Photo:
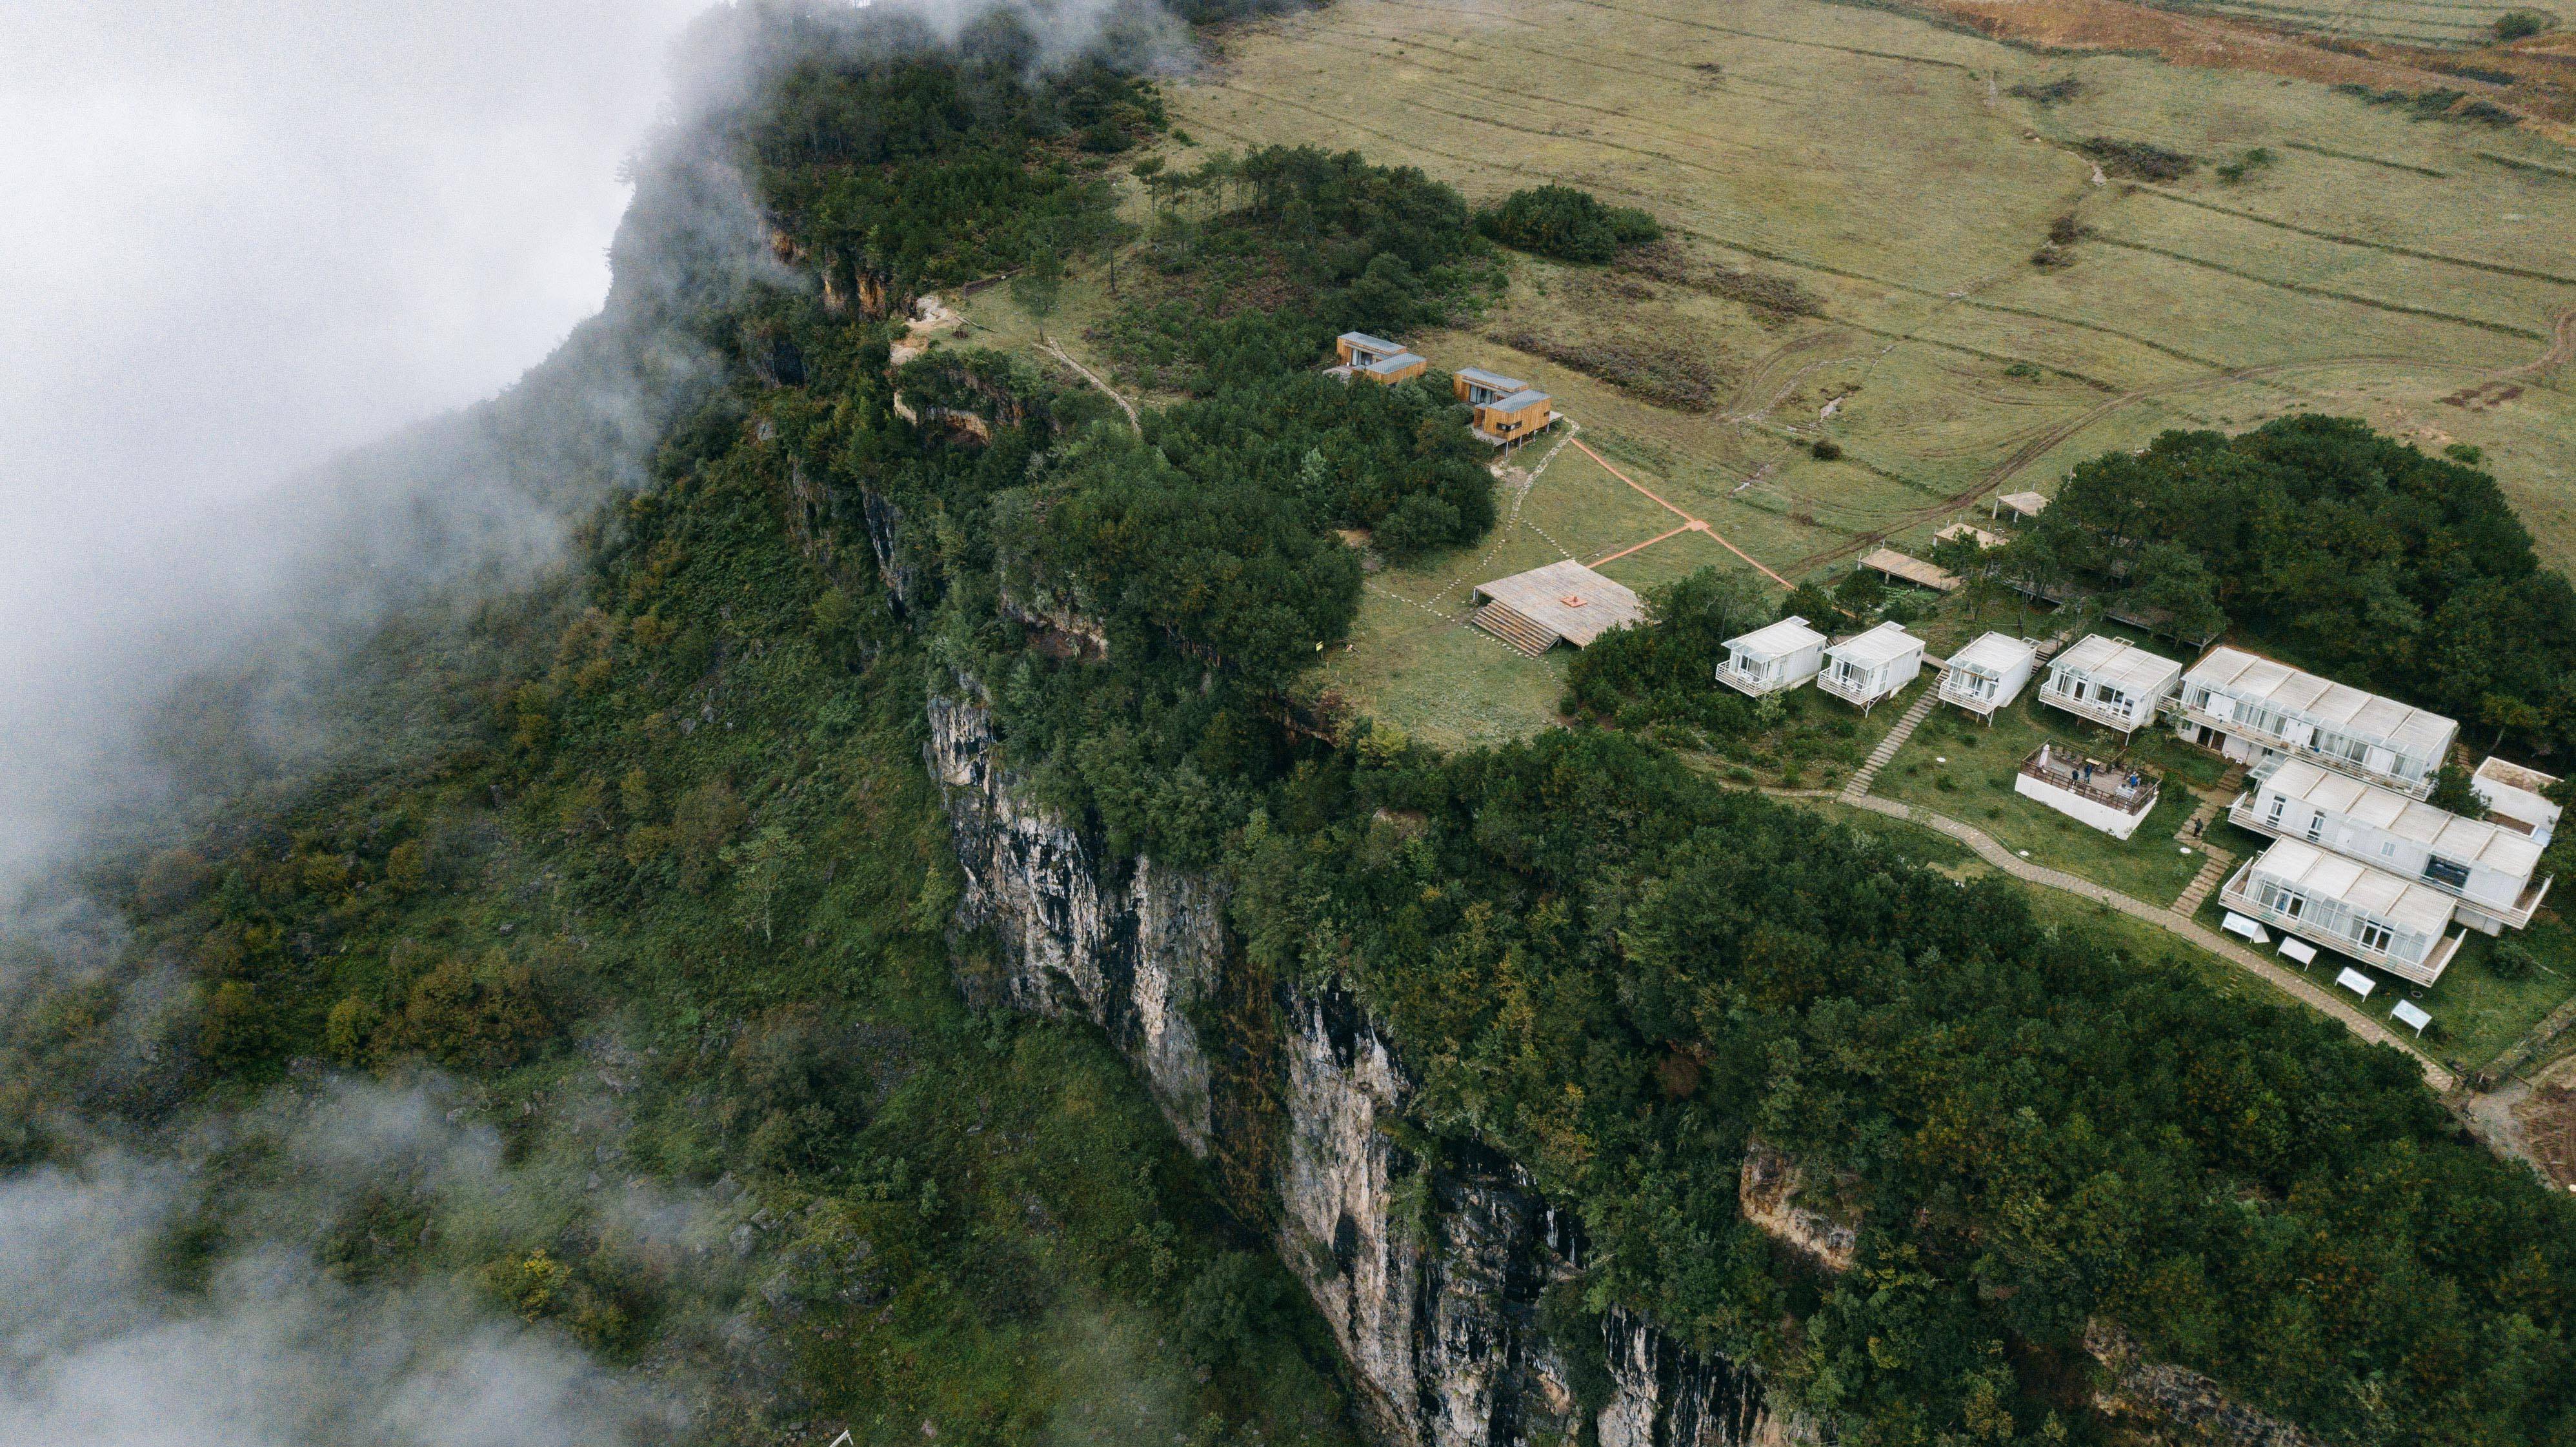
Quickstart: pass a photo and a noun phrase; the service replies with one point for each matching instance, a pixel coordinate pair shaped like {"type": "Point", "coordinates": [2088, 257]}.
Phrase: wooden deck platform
{"type": "Point", "coordinates": [1904, 569]}
{"type": "Point", "coordinates": [1563, 601]}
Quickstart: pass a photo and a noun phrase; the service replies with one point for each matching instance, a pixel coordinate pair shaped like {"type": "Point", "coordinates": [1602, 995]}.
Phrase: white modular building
{"type": "Point", "coordinates": [1768, 659]}
{"type": "Point", "coordinates": [1870, 666]}
{"type": "Point", "coordinates": [2345, 905]}
{"type": "Point", "coordinates": [1989, 673]}
{"type": "Point", "coordinates": [2517, 798]}
{"type": "Point", "coordinates": [2256, 710]}
{"type": "Point", "coordinates": [2111, 682]}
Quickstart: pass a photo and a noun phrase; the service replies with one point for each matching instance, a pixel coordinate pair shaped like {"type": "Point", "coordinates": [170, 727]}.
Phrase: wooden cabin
{"type": "Point", "coordinates": [1514, 417]}
{"type": "Point", "coordinates": [2488, 867]}
{"type": "Point", "coordinates": [1989, 673]}
{"type": "Point", "coordinates": [2255, 710]}
{"type": "Point", "coordinates": [2111, 682]}
{"type": "Point", "coordinates": [1377, 359]}
{"type": "Point", "coordinates": [1475, 386]}
{"type": "Point", "coordinates": [2347, 906]}
{"type": "Point", "coordinates": [1766, 660]}
{"type": "Point", "coordinates": [1871, 666]}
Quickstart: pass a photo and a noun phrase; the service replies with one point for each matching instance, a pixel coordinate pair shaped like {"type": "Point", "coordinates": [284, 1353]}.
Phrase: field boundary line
{"type": "Point", "coordinates": [1695, 525]}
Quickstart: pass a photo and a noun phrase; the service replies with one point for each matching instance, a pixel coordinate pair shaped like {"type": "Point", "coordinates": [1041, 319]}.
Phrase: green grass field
{"type": "Point", "coordinates": [1956, 766]}
{"type": "Point", "coordinates": [2377, 266]}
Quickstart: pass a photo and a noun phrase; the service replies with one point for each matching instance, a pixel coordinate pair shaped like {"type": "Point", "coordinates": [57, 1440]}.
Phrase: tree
{"type": "Point", "coordinates": [761, 866]}
{"type": "Point", "coordinates": [2452, 791]}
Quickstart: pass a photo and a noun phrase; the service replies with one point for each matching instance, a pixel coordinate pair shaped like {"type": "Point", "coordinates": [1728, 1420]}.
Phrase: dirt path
{"type": "Point", "coordinates": [1061, 355]}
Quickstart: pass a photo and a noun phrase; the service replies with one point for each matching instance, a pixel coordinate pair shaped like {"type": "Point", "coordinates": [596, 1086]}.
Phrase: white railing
{"type": "Point", "coordinates": [2238, 897]}
{"type": "Point", "coordinates": [2244, 815]}
{"type": "Point", "coordinates": [2094, 709]}
{"type": "Point", "coordinates": [1853, 690]}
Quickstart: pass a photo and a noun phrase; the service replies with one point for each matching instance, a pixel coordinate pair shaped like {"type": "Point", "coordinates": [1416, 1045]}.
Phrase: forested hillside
{"type": "Point", "coordinates": [666, 892]}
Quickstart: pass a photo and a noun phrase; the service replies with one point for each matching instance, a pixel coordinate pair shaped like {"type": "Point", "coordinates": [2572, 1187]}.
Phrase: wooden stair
{"type": "Point", "coordinates": [1515, 628]}
{"type": "Point", "coordinates": [1868, 772]}
{"type": "Point", "coordinates": [2212, 870]}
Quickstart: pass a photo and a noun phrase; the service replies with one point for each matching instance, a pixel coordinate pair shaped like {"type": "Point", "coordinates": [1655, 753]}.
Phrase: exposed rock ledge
{"type": "Point", "coordinates": [1429, 1273]}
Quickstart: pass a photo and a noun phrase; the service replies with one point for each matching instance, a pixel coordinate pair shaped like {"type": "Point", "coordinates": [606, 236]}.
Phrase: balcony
{"type": "Point", "coordinates": [2108, 716]}
{"type": "Point", "coordinates": [2244, 815]}
{"type": "Point", "coordinates": [1860, 690]}
{"type": "Point", "coordinates": [2340, 763]}
{"type": "Point", "coordinates": [2239, 896]}
{"type": "Point", "coordinates": [1963, 689]}
{"type": "Point", "coordinates": [1750, 681]}
{"type": "Point", "coordinates": [2065, 770]}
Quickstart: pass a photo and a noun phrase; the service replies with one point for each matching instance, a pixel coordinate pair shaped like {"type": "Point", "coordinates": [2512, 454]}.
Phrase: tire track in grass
{"type": "Point", "coordinates": [1772, 39]}
{"type": "Point", "coordinates": [2365, 160]}
{"type": "Point", "coordinates": [2328, 293]}
{"type": "Point", "coordinates": [2496, 267]}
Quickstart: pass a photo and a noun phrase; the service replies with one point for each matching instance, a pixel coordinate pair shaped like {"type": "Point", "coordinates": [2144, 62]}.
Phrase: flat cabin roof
{"type": "Point", "coordinates": [1520, 401]}
{"type": "Point", "coordinates": [1777, 640]}
{"type": "Point", "coordinates": [1971, 531]}
{"type": "Point", "coordinates": [1396, 363]}
{"type": "Point", "coordinates": [1881, 645]}
{"type": "Point", "coordinates": [1495, 380]}
{"type": "Point", "coordinates": [2028, 504]}
{"type": "Point", "coordinates": [1995, 654]}
{"type": "Point", "coordinates": [2419, 732]}
{"type": "Point", "coordinates": [1568, 599]}
{"type": "Point", "coordinates": [2514, 792]}
{"type": "Point", "coordinates": [1912, 570]}
{"type": "Point", "coordinates": [2117, 662]}
{"type": "Point", "coordinates": [2469, 841]}
{"type": "Point", "coordinates": [1365, 342]}
{"type": "Point", "coordinates": [2374, 892]}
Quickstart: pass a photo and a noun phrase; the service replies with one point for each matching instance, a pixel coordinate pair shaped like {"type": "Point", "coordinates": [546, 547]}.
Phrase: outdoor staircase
{"type": "Point", "coordinates": [1515, 628]}
{"type": "Point", "coordinates": [1896, 737]}
{"type": "Point", "coordinates": [2217, 862]}
{"type": "Point", "coordinates": [2213, 870]}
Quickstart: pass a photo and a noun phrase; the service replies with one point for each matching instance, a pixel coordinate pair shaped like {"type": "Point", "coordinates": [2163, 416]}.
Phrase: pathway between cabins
{"type": "Point", "coordinates": [2175, 919]}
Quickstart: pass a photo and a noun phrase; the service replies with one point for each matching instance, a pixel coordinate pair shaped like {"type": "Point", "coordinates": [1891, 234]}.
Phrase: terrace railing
{"type": "Point", "coordinates": [2109, 784]}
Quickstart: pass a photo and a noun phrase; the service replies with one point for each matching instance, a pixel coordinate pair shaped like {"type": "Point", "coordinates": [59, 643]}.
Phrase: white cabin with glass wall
{"type": "Point", "coordinates": [2347, 906]}
{"type": "Point", "coordinates": [1766, 660]}
{"type": "Point", "coordinates": [2257, 711]}
{"type": "Point", "coordinates": [2487, 867]}
{"type": "Point", "coordinates": [2517, 798]}
{"type": "Point", "coordinates": [1870, 666]}
{"type": "Point", "coordinates": [2111, 682]}
{"type": "Point", "coordinates": [1989, 673]}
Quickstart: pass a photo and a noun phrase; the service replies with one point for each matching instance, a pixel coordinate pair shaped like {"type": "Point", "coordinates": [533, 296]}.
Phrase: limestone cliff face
{"type": "Point", "coordinates": [1429, 1272]}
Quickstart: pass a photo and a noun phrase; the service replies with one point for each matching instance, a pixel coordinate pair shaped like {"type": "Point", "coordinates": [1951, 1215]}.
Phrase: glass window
{"type": "Point", "coordinates": [2445, 873]}
{"type": "Point", "coordinates": [2374, 936]}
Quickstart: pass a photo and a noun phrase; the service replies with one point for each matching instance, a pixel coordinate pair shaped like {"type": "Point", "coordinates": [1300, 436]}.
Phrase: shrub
{"type": "Point", "coordinates": [2512, 960]}
{"type": "Point", "coordinates": [1826, 449]}
{"type": "Point", "coordinates": [2520, 24]}
{"type": "Point", "coordinates": [1565, 223]}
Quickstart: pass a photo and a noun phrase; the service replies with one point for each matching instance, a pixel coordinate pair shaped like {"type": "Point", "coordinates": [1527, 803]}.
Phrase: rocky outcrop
{"type": "Point", "coordinates": [1771, 1192]}
{"type": "Point", "coordinates": [1428, 1270]}
{"type": "Point", "coordinates": [2176, 1399]}
{"type": "Point", "coordinates": [1130, 945]}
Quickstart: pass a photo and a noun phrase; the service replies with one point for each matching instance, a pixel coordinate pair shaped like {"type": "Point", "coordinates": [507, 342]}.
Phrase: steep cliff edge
{"type": "Point", "coordinates": [1429, 1271]}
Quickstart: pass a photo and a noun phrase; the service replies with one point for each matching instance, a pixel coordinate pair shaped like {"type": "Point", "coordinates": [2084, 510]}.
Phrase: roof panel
{"type": "Point", "coordinates": [1777, 640]}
